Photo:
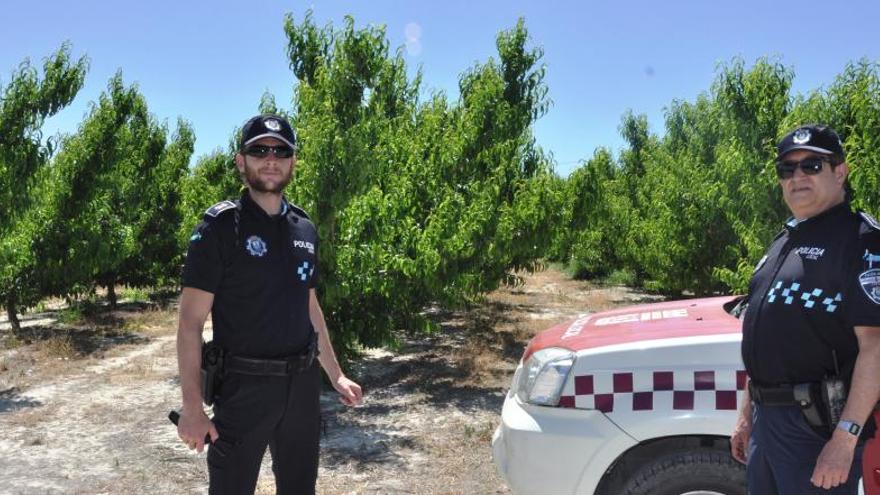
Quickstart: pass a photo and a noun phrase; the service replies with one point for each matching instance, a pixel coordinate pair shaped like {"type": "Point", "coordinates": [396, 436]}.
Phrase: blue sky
{"type": "Point", "coordinates": [209, 62]}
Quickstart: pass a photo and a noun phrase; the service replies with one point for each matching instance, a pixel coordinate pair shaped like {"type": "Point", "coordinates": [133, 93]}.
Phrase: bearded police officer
{"type": "Point", "coordinates": [811, 331]}
{"type": "Point", "coordinates": [252, 264]}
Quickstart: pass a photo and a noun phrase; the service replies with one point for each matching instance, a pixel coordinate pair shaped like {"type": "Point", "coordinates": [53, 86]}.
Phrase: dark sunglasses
{"type": "Point", "coordinates": [809, 166]}
{"type": "Point", "coordinates": [262, 151]}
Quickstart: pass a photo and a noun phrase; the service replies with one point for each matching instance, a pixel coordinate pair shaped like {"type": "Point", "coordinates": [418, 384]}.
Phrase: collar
{"type": "Point", "coordinates": [248, 203]}
{"type": "Point", "coordinates": [835, 212]}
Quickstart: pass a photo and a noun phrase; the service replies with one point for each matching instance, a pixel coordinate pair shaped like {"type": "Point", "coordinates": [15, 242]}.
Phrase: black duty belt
{"type": "Point", "coordinates": [270, 367]}
{"type": "Point", "coordinates": [782, 395]}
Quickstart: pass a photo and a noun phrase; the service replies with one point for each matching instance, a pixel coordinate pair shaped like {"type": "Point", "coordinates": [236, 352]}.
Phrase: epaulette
{"type": "Point", "coordinates": [299, 211]}
{"type": "Point", "coordinates": [779, 234]}
{"type": "Point", "coordinates": [217, 209]}
{"type": "Point", "coordinates": [871, 221]}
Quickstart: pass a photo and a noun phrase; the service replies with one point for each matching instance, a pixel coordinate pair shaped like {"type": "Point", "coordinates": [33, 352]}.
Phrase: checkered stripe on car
{"type": "Point", "coordinates": [679, 390]}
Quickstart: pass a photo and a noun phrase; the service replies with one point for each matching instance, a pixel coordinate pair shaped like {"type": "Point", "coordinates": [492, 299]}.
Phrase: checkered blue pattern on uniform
{"type": "Point", "coordinates": [809, 298]}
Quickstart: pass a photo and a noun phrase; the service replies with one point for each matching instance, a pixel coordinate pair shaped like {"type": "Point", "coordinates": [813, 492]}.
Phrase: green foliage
{"type": "Point", "coordinates": [693, 210]}
{"type": "Point", "coordinates": [851, 105]}
{"type": "Point", "coordinates": [108, 206]}
{"type": "Point", "coordinates": [621, 277]}
{"type": "Point", "coordinates": [25, 102]}
{"type": "Point", "coordinates": [416, 202]}
{"type": "Point", "coordinates": [419, 200]}
{"type": "Point", "coordinates": [590, 214]}
{"type": "Point", "coordinates": [137, 294]}
{"type": "Point", "coordinates": [62, 241]}
{"type": "Point", "coordinates": [71, 315]}
{"type": "Point", "coordinates": [213, 179]}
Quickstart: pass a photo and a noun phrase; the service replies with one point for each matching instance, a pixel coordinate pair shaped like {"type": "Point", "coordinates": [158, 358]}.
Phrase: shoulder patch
{"type": "Point", "coordinates": [220, 207]}
{"type": "Point", "coordinates": [299, 211]}
{"type": "Point", "coordinates": [871, 221]}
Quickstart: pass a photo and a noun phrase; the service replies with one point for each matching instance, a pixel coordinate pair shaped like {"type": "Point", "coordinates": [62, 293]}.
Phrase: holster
{"type": "Point", "coordinates": [821, 402]}
{"type": "Point", "coordinates": [826, 402]}
{"type": "Point", "coordinates": [808, 398]}
{"type": "Point", "coordinates": [213, 357]}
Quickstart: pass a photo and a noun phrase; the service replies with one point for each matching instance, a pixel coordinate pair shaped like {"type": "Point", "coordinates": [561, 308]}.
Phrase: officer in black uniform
{"type": "Point", "coordinates": [812, 324]}
{"type": "Point", "coordinates": [252, 264]}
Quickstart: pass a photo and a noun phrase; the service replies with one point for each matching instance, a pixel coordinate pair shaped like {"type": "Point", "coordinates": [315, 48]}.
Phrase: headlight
{"type": "Point", "coordinates": [544, 375]}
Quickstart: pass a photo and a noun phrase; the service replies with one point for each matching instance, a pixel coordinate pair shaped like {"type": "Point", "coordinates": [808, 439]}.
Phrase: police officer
{"type": "Point", "coordinates": [812, 324]}
{"type": "Point", "coordinates": [252, 264]}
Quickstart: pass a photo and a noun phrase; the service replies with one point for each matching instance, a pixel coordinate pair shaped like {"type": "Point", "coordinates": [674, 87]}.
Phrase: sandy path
{"type": "Point", "coordinates": [98, 424]}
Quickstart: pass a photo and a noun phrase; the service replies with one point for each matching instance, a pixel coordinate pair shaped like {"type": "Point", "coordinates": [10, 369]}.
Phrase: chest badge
{"type": "Point", "coordinates": [870, 278]}
{"type": "Point", "coordinates": [870, 282]}
{"type": "Point", "coordinates": [256, 246]}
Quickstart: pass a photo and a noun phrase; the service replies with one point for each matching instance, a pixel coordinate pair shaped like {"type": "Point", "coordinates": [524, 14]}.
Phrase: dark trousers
{"type": "Point", "coordinates": [252, 412]}
{"type": "Point", "coordinates": [783, 450]}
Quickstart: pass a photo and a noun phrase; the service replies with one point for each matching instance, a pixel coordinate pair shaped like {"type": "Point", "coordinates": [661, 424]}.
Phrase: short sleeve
{"type": "Point", "coordinates": [203, 268]}
{"type": "Point", "coordinates": [313, 280]}
{"type": "Point", "coordinates": [863, 284]}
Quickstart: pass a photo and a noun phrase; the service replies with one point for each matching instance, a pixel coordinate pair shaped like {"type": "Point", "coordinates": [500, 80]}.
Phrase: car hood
{"type": "Point", "coordinates": [648, 322]}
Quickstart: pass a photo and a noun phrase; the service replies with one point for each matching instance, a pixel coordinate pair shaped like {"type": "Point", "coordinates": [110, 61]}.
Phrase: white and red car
{"type": "Point", "coordinates": [640, 400]}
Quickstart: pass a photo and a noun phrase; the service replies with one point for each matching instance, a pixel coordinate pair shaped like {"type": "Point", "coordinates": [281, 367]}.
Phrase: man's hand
{"type": "Point", "coordinates": [739, 439]}
{"type": "Point", "coordinates": [835, 460]}
{"type": "Point", "coordinates": [192, 428]}
{"type": "Point", "coordinates": [349, 390]}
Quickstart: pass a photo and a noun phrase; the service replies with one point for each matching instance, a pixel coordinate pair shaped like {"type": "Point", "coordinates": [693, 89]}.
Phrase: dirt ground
{"type": "Point", "coordinates": [83, 405]}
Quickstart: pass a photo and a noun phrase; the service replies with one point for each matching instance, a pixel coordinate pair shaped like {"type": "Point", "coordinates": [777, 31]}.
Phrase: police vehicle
{"type": "Point", "coordinates": [640, 400]}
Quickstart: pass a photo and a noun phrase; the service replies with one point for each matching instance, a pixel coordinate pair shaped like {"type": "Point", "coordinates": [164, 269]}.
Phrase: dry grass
{"type": "Point", "coordinates": [59, 347]}
{"type": "Point", "coordinates": [480, 432]}
{"type": "Point", "coordinates": [139, 370]}
{"type": "Point", "coordinates": [31, 418]}
{"type": "Point", "coordinates": [152, 321]}
{"type": "Point", "coordinates": [426, 426]}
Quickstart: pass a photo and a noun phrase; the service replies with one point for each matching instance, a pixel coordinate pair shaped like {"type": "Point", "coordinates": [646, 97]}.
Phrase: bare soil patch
{"type": "Point", "coordinates": [83, 406]}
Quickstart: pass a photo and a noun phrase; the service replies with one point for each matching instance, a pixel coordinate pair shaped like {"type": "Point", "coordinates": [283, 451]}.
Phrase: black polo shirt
{"type": "Point", "coordinates": [819, 279]}
{"type": "Point", "coordinates": [260, 274]}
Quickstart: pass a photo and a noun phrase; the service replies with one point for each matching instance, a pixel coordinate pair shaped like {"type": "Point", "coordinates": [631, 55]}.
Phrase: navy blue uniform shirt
{"type": "Point", "coordinates": [820, 278]}
{"type": "Point", "coordinates": [260, 274]}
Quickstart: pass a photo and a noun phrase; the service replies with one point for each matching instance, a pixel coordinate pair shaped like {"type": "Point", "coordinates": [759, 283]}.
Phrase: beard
{"type": "Point", "coordinates": [274, 186]}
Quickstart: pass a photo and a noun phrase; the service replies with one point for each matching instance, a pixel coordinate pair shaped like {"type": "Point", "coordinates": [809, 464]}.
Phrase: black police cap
{"type": "Point", "coordinates": [267, 125]}
{"type": "Point", "coordinates": [813, 137]}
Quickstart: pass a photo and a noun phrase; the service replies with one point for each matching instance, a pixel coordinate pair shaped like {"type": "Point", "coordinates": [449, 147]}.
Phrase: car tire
{"type": "Point", "coordinates": [699, 471]}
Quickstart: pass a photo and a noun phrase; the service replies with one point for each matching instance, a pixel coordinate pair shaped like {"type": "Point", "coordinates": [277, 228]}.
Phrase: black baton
{"type": "Point", "coordinates": [174, 417]}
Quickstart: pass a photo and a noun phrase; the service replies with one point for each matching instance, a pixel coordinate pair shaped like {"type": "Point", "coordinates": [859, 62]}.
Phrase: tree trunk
{"type": "Point", "coordinates": [13, 316]}
{"type": "Point", "coordinates": [111, 292]}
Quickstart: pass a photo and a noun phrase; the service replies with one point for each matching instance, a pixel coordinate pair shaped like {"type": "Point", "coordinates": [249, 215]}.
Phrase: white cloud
{"type": "Point", "coordinates": [413, 33]}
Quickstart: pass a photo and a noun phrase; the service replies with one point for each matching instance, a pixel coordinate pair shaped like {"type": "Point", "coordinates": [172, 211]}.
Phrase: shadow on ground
{"type": "Point", "coordinates": [82, 342]}
{"type": "Point", "coordinates": [11, 400]}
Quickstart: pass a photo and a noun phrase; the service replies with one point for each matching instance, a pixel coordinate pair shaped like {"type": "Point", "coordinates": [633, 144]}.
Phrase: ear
{"type": "Point", "coordinates": [841, 172]}
{"type": "Point", "coordinates": [239, 162]}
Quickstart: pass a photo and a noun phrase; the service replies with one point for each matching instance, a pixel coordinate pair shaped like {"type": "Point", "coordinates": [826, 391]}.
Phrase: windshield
{"type": "Point", "coordinates": [737, 307]}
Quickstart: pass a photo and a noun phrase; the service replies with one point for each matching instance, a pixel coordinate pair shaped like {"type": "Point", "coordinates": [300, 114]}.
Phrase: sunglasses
{"type": "Point", "coordinates": [262, 151]}
{"type": "Point", "coordinates": [809, 166]}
